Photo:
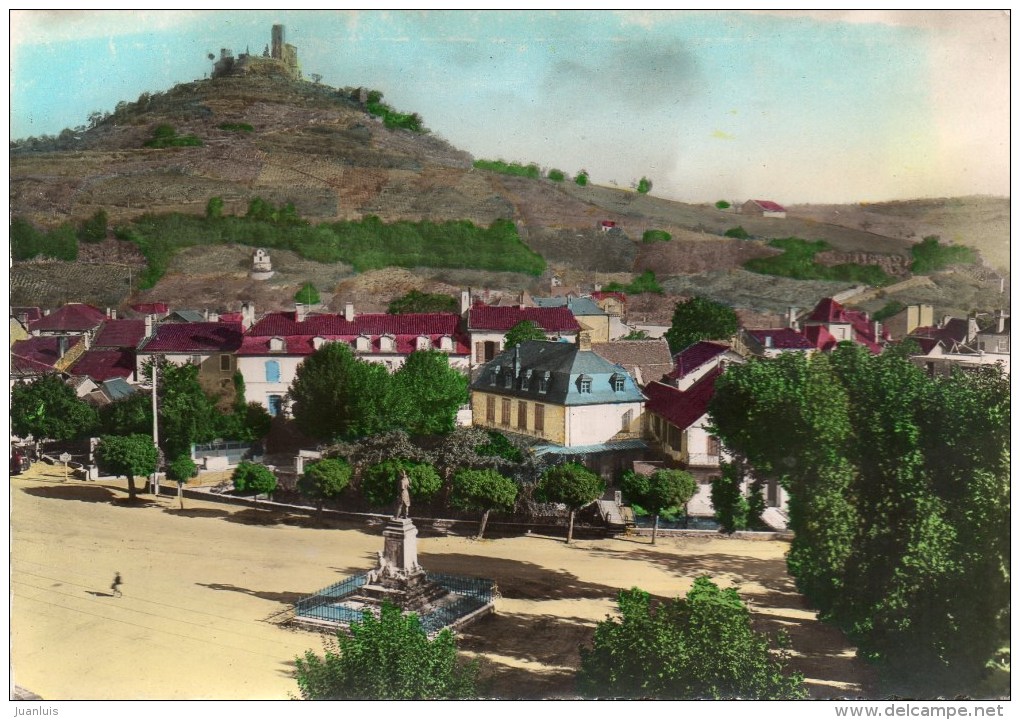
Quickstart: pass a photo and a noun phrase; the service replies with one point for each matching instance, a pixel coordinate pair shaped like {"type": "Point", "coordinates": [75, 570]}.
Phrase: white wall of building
{"type": "Point", "coordinates": [593, 424]}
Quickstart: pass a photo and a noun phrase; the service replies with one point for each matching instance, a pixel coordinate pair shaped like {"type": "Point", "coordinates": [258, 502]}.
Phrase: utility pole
{"type": "Point", "coordinates": [155, 424]}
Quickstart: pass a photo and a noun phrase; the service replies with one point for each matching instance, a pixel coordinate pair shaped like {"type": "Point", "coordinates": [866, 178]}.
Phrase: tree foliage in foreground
{"type": "Point", "coordinates": [426, 393]}
{"type": "Point", "coordinates": [660, 491]}
{"type": "Point", "coordinates": [49, 409]}
{"type": "Point", "coordinates": [899, 501]}
{"type": "Point", "coordinates": [253, 479]}
{"type": "Point", "coordinates": [380, 483]}
{"type": "Point", "coordinates": [325, 480]}
{"type": "Point", "coordinates": [483, 491]}
{"type": "Point", "coordinates": [130, 456]}
{"type": "Point", "coordinates": [571, 484]}
{"type": "Point", "coordinates": [524, 330]}
{"type": "Point", "coordinates": [387, 658]}
{"type": "Point", "coordinates": [700, 319]}
{"type": "Point", "coordinates": [698, 647]}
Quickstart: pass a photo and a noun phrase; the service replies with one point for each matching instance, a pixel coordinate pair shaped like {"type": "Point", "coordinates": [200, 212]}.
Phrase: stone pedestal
{"type": "Point", "coordinates": [400, 548]}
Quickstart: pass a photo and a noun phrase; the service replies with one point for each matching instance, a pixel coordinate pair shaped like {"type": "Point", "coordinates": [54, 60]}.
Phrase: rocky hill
{"type": "Point", "coordinates": [315, 147]}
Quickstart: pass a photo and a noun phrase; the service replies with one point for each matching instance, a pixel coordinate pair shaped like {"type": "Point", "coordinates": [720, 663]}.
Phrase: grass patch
{"type": "Point", "coordinates": [798, 262]}
{"type": "Point", "coordinates": [500, 166]}
{"type": "Point", "coordinates": [929, 255]}
{"type": "Point", "coordinates": [237, 127]}
{"type": "Point", "coordinates": [165, 136]}
{"type": "Point", "coordinates": [643, 283]}
{"type": "Point", "coordinates": [368, 244]}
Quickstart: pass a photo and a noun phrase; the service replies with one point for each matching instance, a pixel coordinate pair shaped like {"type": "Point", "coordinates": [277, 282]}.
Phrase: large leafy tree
{"type": "Point", "coordinates": [659, 491]}
{"type": "Point", "coordinates": [572, 484]}
{"type": "Point", "coordinates": [416, 301]}
{"type": "Point", "coordinates": [253, 479]}
{"type": "Point", "coordinates": [186, 414]}
{"type": "Point", "coordinates": [128, 455]}
{"type": "Point", "coordinates": [700, 319]}
{"type": "Point", "coordinates": [127, 416]}
{"type": "Point", "coordinates": [483, 491]}
{"type": "Point", "coordinates": [338, 396]}
{"type": "Point", "coordinates": [387, 658]}
{"type": "Point", "coordinates": [524, 330]}
{"type": "Point", "coordinates": [49, 409]}
{"type": "Point", "coordinates": [380, 482]}
{"type": "Point", "coordinates": [898, 501]}
{"type": "Point", "coordinates": [693, 648]}
{"type": "Point", "coordinates": [324, 480]}
{"type": "Point", "coordinates": [307, 295]}
{"type": "Point", "coordinates": [425, 393]}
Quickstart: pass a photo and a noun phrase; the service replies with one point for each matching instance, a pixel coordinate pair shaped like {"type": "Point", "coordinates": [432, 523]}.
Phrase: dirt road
{"type": "Point", "coordinates": [202, 586]}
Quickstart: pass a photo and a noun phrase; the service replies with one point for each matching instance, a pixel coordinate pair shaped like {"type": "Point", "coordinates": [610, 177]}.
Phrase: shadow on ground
{"type": "Point", "coordinates": [287, 598]}
{"type": "Point", "coordinates": [197, 512]}
{"type": "Point", "coordinates": [81, 493]}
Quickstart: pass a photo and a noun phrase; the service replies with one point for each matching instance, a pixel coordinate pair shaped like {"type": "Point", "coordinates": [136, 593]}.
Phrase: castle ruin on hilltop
{"type": "Point", "coordinates": [278, 60]}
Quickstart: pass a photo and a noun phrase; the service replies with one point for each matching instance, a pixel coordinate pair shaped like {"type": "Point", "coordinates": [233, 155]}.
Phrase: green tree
{"type": "Point", "coordinates": [186, 414]}
{"type": "Point", "coordinates": [180, 471]}
{"type": "Point", "coordinates": [129, 456]}
{"type": "Point", "coordinates": [387, 658]}
{"type": "Point", "coordinates": [325, 480]}
{"type": "Point", "coordinates": [571, 484]}
{"type": "Point", "coordinates": [49, 409]}
{"type": "Point", "coordinates": [644, 185]}
{"type": "Point", "coordinates": [737, 232]}
{"type": "Point", "coordinates": [660, 491]}
{"type": "Point", "coordinates": [729, 505]}
{"type": "Point", "coordinates": [581, 178]}
{"type": "Point", "coordinates": [416, 301]}
{"type": "Point", "coordinates": [556, 175]}
{"type": "Point", "coordinates": [214, 208]}
{"type": "Point", "coordinates": [128, 416]}
{"type": "Point", "coordinates": [253, 479]}
{"type": "Point", "coordinates": [426, 393]}
{"type": "Point", "coordinates": [336, 395]}
{"type": "Point", "coordinates": [483, 491]}
{"type": "Point", "coordinates": [524, 330]}
{"type": "Point", "coordinates": [693, 648]}
{"type": "Point", "coordinates": [380, 482]}
{"type": "Point", "coordinates": [93, 229]}
{"type": "Point", "coordinates": [307, 295]}
{"type": "Point", "coordinates": [700, 319]}
{"type": "Point", "coordinates": [722, 205]}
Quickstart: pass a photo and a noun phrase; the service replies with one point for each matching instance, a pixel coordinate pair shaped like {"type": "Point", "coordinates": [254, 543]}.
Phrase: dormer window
{"type": "Point", "coordinates": [584, 383]}
{"type": "Point", "coordinates": [277, 344]}
{"type": "Point", "coordinates": [543, 382]}
{"type": "Point", "coordinates": [363, 343]}
{"type": "Point", "coordinates": [318, 342]}
{"type": "Point", "coordinates": [446, 343]}
{"type": "Point", "coordinates": [616, 381]}
{"type": "Point", "coordinates": [493, 376]}
{"type": "Point", "coordinates": [386, 343]}
{"type": "Point", "coordinates": [508, 377]}
{"type": "Point", "coordinates": [525, 379]}
{"type": "Point", "coordinates": [423, 343]}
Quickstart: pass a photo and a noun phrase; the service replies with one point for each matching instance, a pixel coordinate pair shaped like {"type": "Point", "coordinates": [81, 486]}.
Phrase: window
{"type": "Point", "coordinates": [272, 371]}
{"type": "Point", "coordinates": [713, 445]}
{"type": "Point", "coordinates": [522, 415]}
{"type": "Point", "coordinates": [275, 403]}
{"type": "Point", "coordinates": [490, 410]}
{"type": "Point", "coordinates": [1002, 345]}
{"type": "Point", "coordinates": [479, 352]}
{"type": "Point", "coordinates": [617, 382]}
{"type": "Point", "coordinates": [525, 379]}
{"type": "Point", "coordinates": [363, 343]}
{"type": "Point", "coordinates": [225, 363]}
{"type": "Point", "coordinates": [584, 384]}
{"type": "Point", "coordinates": [317, 342]}
{"type": "Point", "coordinates": [423, 343]}
{"type": "Point", "coordinates": [539, 419]}
{"type": "Point", "coordinates": [543, 383]}
{"type": "Point", "coordinates": [276, 344]}
{"type": "Point", "coordinates": [625, 422]}
{"type": "Point", "coordinates": [446, 343]}
{"type": "Point", "coordinates": [508, 377]}
{"type": "Point", "coordinates": [493, 376]}
{"type": "Point", "coordinates": [505, 419]}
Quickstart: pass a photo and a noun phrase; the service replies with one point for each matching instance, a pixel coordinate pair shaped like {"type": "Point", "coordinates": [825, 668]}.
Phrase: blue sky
{"type": "Point", "coordinates": [799, 106]}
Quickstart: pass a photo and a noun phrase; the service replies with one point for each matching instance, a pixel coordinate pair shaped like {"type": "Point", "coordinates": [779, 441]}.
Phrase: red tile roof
{"type": "Point", "coordinates": [27, 367]}
{"type": "Point", "coordinates": [603, 294]}
{"type": "Point", "coordinates": [769, 206]}
{"type": "Point", "coordinates": [194, 338]}
{"type": "Point", "coordinates": [102, 365]}
{"type": "Point", "coordinates": [31, 313]}
{"type": "Point", "coordinates": [782, 338]}
{"type": "Point", "coordinates": [44, 349]}
{"type": "Point", "coordinates": [405, 329]}
{"type": "Point", "coordinates": [231, 317]}
{"type": "Point", "coordinates": [681, 408]}
{"type": "Point", "coordinates": [691, 358]}
{"type": "Point", "coordinates": [828, 311]}
{"type": "Point", "coordinates": [73, 317]}
{"type": "Point", "coordinates": [155, 308]}
{"type": "Point", "coordinates": [120, 334]}
{"type": "Point", "coordinates": [501, 319]}
{"type": "Point", "coordinates": [820, 337]}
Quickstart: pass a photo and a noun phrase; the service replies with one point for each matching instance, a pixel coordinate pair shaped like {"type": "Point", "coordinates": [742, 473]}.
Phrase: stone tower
{"type": "Point", "coordinates": [278, 42]}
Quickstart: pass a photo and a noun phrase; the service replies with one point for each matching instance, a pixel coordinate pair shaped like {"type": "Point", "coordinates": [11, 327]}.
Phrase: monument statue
{"type": "Point", "coordinates": [404, 506]}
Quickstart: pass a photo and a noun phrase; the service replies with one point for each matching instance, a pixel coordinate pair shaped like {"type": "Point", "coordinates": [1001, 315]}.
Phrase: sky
{"type": "Point", "coordinates": [790, 106]}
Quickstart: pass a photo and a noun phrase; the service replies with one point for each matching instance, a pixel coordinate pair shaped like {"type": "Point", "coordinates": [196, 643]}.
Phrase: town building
{"type": "Point", "coordinates": [645, 360]}
{"type": "Point", "coordinates": [586, 311]}
{"type": "Point", "coordinates": [771, 342]}
{"type": "Point", "coordinates": [209, 345]}
{"type": "Point", "coordinates": [697, 360]}
{"type": "Point", "coordinates": [830, 323]}
{"type": "Point", "coordinates": [763, 208]}
{"type": "Point", "coordinates": [487, 326]}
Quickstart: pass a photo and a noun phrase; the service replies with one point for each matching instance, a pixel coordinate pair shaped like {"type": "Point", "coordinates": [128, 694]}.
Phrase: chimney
{"type": "Point", "coordinates": [148, 326]}
{"type": "Point", "coordinates": [768, 341]}
{"type": "Point", "coordinates": [520, 300]}
{"type": "Point", "coordinates": [584, 340]}
{"type": "Point", "coordinates": [113, 314]}
{"type": "Point", "coordinates": [108, 316]}
{"type": "Point", "coordinates": [465, 300]}
{"type": "Point", "coordinates": [247, 315]}
{"type": "Point", "coordinates": [61, 346]}
{"type": "Point", "coordinates": [213, 317]}
{"type": "Point", "coordinates": [878, 330]}
{"type": "Point", "coordinates": [205, 314]}
{"type": "Point", "coordinates": [349, 312]}
{"type": "Point", "coordinates": [598, 287]}
{"type": "Point", "coordinates": [972, 328]}
{"type": "Point", "coordinates": [791, 318]}
{"type": "Point", "coordinates": [1000, 322]}
{"type": "Point", "coordinates": [300, 312]}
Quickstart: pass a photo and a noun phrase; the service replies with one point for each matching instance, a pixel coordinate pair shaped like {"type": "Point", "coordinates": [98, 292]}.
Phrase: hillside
{"type": "Point", "coordinates": [312, 146]}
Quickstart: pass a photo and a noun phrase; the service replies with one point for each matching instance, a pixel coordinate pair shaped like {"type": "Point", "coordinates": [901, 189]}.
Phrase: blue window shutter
{"type": "Point", "coordinates": [272, 371]}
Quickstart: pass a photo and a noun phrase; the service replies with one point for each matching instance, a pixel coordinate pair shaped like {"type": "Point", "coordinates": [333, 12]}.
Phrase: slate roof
{"type": "Point", "coordinates": [782, 338]}
{"type": "Point", "coordinates": [117, 389]}
{"type": "Point", "coordinates": [650, 356]}
{"type": "Point", "coordinates": [298, 337]}
{"type": "Point", "coordinates": [681, 408]}
{"type": "Point", "coordinates": [501, 319]}
{"type": "Point", "coordinates": [120, 334]}
{"type": "Point", "coordinates": [72, 317]}
{"type": "Point", "coordinates": [578, 306]}
{"type": "Point", "coordinates": [694, 356]}
{"type": "Point", "coordinates": [104, 364]}
{"type": "Point", "coordinates": [564, 365]}
{"type": "Point", "coordinates": [43, 350]}
{"type": "Point", "coordinates": [194, 338]}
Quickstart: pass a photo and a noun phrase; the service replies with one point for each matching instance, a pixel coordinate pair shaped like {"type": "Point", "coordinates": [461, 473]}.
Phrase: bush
{"type": "Point", "coordinates": [737, 232]}
{"type": "Point", "coordinates": [501, 166]}
{"type": "Point", "coordinates": [891, 308]}
{"type": "Point", "coordinates": [651, 236]}
{"type": "Point", "coordinates": [380, 482]}
{"type": "Point", "coordinates": [929, 255]}
{"type": "Point", "coordinates": [581, 178]}
{"type": "Point", "coordinates": [556, 175]}
{"type": "Point", "coordinates": [60, 243]}
{"type": "Point", "coordinates": [644, 185]}
{"type": "Point", "coordinates": [722, 205]}
{"type": "Point", "coordinates": [645, 282]}
{"type": "Point", "coordinates": [798, 262]}
{"type": "Point", "coordinates": [252, 479]}
{"type": "Point", "coordinates": [165, 136]}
